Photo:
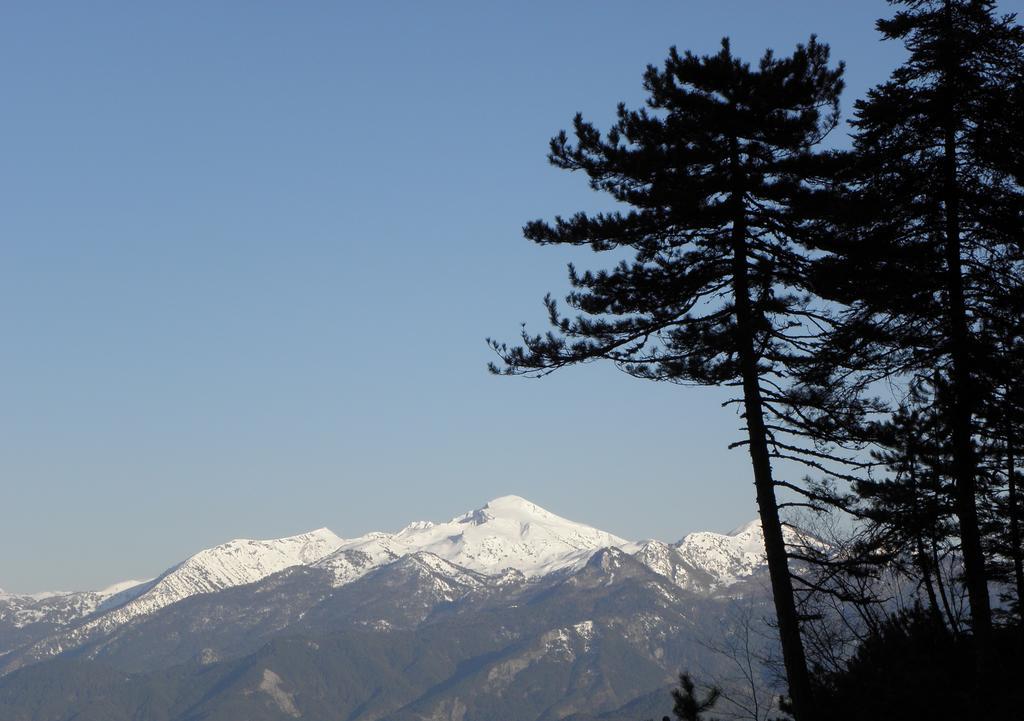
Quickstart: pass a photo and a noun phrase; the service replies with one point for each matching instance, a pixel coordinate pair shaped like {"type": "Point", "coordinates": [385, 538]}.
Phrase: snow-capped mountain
{"type": "Point", "coordinates": [508, 540]}
{"type": "Point", "coordinates": [508, 532]}
{"type": "Point", "coordinates": [506, 611]}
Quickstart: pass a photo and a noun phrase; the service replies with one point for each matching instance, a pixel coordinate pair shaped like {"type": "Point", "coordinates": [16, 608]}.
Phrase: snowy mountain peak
{"type": "Point", "coordinates": [507, 541]}
{"type": "Point", "coordinates": [510, 508]}
{"type": "Point", "coordinates": [518, 508]}
{"type": "Point", "coordinates": [508, 532]}
{"type": "Point", "coordinates": [416, 526]}
{"type": "Point", "coordinates": [750, 527]}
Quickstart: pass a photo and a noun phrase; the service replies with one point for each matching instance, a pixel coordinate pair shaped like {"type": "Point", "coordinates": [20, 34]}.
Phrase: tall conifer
{"type": "Point", "coordinates": [934, 213]}
{"type": "Point", "coordinates": [713, 171]}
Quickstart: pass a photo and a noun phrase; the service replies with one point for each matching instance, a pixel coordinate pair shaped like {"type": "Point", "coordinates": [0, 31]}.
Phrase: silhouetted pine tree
{"type": "Point", "coordinates": [1001, 427]}
{"type": "Point", "coordinates": [931, 207]}
{"type": "Point", "coordinates": [1001, 143]}
{"type": "Point", "coordinates": [714, 171]}
{"type": "Point", "coordinates": [688, 707]}
{"type": "Point", "coordinates": [909, 515]}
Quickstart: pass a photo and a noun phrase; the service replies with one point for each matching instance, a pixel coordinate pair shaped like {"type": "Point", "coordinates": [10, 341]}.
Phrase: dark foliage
{"type": "Point", "coordinates": [928, 254]}
{"type": "Point", "coordinates": [688, 705]}
{"type": "Point", "coordinates": [915, 668]}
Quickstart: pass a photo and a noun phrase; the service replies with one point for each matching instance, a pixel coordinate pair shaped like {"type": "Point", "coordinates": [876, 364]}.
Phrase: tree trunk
{"type": "Point", "coordinates": [964, 467]}
{"type": "Point", "coordinates": [1011, 501]}
{"type": "Point", "coordinates": [793, 655]}
{"type": "Point", "coordinates": [921, 555]}
{"type": "Point", "coordinates": [954, 622]}
{"type": "Point", "coordinates": [923, 565]}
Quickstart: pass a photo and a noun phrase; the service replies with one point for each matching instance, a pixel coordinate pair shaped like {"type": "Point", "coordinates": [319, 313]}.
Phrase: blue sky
{"type": "Point", "coordinates": [250, 251]}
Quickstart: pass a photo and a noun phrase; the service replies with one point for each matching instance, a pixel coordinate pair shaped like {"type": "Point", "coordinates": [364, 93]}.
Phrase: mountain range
{"type": "Point", "coordinates": [505, 612]}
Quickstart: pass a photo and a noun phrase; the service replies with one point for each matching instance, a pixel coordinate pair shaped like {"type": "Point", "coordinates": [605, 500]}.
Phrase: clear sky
{"type": "Point", "coordinates": [250, 251]}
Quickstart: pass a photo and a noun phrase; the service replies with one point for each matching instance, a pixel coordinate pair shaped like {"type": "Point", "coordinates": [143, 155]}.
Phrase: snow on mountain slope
{"type": "Point", "coordinates": [234, 563]}
{"type": "Point", "coordinates": [508, 532]}
{"type": "Point", "coordinates": [664, 560]}
{"type": "Point", "coordinates": [508, 535]}
{"type": "Point", "coordinates": [507, 541]}
{"type": "Point", "coordinates": [443, 579]}
{"type": "Point", "coordinates": [62, 607]}
{"type": "Point", "coordinates": [230, 564]}
{"type": "Point", "coordinates": [728, 557]}
{"type": "Point", "coordinates": [348, 564]}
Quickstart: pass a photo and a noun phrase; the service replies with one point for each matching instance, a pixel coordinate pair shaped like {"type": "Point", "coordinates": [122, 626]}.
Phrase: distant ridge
{"type": "Point", "coordinates": [505, 611]}
{"type": "Point", "coordinates": [507, 538]}
{"type": "Point", "coordinates": [509, 532]}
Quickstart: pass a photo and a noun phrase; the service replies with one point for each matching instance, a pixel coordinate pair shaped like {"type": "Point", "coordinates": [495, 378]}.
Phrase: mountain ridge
{"type": "Point", "coordinates": [506, 611]}
{"type": "Point", "coordinates": [383, 547]}
{"type": "Point", "coordinates": [507, 540]}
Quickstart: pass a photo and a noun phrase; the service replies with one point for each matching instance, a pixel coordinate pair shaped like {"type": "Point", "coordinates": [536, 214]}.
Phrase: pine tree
{"type": "Point", "coordinates": [1001, 430]}
{"type": "Point", "coordinates": [908, 516]}
{"type": "Point", "coordinates": [688, 707]}
{"type": "Point", "coordinates": [932, 213]}
{"type": "Point", "coordinates": [719, 171]}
